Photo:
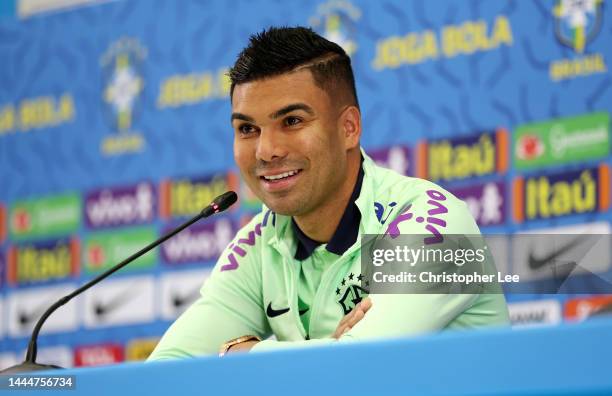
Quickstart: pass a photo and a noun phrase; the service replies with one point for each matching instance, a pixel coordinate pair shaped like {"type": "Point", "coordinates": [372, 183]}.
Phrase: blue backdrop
{"type": "Point", "coordinates": [114, 126]}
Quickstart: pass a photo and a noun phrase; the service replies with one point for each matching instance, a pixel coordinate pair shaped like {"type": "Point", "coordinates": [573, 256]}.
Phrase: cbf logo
{"type": "Point", "coordinates": [336, 21]}
{"type": "Point", "coordinates": [350, 291]}
{"type": "Point", "coordinates": [123, 81]}
{"type": "Point", "coordinates": [577, 22]}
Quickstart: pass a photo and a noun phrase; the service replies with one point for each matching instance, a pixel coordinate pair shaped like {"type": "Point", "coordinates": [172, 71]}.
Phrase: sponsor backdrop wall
{"type": "Point", "coordinates": [114, 127]}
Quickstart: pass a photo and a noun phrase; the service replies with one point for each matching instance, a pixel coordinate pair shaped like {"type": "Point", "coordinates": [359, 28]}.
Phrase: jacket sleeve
{"type": "Point", "coordinates": [229, 306]}
{"type": "Point", "coordinates": [408, 314]}
{"type": "Point", "coordinates": [393, 316]}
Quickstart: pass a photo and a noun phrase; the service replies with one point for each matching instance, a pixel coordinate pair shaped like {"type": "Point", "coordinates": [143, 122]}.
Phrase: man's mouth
{"type": "Point", "coordinates": [277, 182]}
{"type": "Point", "coordinates": [280, 176]}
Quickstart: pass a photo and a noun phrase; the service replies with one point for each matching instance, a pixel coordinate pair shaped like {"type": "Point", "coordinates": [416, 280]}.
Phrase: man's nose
{"type": "Point", "coordinates": [271, 145]}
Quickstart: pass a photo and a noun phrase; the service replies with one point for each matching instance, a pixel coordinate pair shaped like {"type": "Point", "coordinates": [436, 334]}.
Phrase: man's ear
{"type": "Point", "coordinates": [350, 124]}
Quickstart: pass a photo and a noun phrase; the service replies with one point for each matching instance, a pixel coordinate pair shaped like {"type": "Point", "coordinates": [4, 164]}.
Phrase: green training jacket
{"type": "Point", "coordinates": [258, 287]}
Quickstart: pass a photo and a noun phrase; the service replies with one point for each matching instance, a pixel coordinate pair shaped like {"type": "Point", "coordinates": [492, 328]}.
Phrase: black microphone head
{"type": "Point", "coordinates": [222, 202]}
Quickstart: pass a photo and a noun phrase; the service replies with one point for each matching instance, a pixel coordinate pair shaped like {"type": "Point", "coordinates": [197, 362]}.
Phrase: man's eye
{"type": "Point", "coordinates": [290, 121]}
{"type": "Point", "coordinates": [246, 129]}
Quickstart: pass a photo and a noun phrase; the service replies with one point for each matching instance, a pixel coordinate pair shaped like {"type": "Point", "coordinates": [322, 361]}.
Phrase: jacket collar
{"type": "Point", "coordinates": [346, 233]}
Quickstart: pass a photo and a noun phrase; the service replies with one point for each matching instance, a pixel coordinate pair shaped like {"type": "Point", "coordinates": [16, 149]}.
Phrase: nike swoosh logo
{"type": "Point", "coordinates": [178, 300]}
{"type": "Point", "coordinates": [539, 262]}
{"type": "Point", "coordinates": [25, 318]}
{"type": "Point", "coordinates": [272, 313]}
{"type": "Point", "coordinates": [101, 309]}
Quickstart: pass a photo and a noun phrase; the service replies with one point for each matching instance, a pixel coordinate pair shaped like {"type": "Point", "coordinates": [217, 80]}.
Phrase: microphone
{"type": "Point", "coordinates": [219, 204]}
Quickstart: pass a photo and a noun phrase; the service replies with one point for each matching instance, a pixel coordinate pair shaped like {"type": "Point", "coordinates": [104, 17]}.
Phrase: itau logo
{"type": "Point", "coordinates": [577, 22]}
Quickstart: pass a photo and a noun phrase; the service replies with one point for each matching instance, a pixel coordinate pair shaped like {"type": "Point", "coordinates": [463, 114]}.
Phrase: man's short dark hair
{"type": "Point", "coordinates": [280, 50]}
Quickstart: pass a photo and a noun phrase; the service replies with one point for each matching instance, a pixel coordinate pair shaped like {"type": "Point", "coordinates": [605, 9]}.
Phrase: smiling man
{"type": "Point", "coordinates": [295, 270]}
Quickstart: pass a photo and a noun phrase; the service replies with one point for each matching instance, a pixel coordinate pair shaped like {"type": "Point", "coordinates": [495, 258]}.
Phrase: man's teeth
{"type": "Point", "coordinates": [281, 176]}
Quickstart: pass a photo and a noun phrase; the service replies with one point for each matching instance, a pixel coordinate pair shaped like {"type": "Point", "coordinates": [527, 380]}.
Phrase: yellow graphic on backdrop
{"type": "Point", "coordinates": [448, 162]}
{"type": "Point", "coordinates": [576, 24]}
{"type": "Point", "coordinates": [122, 95]}
{"type": "Point", "coordinates": [563, 69]}
{"type": "Point", "coordinates": [545, 198]}
{"type": "Point", "coordinates": [452, 40]}
{"type": "Point", "coordinates": [36, 113]}
{"type": "Point", "coordinates": [187, 89]}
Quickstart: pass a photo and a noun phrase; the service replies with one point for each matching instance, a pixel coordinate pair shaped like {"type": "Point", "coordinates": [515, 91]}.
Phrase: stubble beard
{"type": "Point", "coordinates": [286, 205]}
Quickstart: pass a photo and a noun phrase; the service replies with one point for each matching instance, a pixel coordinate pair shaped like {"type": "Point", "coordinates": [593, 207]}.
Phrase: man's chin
{"type": "Point", "coordinates": [284, 208]}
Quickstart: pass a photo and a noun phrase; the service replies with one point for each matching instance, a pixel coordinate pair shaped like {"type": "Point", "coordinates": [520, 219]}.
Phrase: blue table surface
{"type": "Point", "coordinates": [571, 359]}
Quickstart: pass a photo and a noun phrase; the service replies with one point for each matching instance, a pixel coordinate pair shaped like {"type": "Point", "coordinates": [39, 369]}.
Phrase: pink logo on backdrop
{"type": "Point", "coordinates": [200, 242]}
{"type": "Point", "coordinates": [110, 207]}
{"type": "Point", "coordinates": [395, 157]}
{"type": "Point", "coordinates": [486, 202]}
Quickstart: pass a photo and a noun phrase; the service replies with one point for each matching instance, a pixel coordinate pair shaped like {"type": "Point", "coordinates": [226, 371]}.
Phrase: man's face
{"type": "Point", "coordinates": [288, 142]}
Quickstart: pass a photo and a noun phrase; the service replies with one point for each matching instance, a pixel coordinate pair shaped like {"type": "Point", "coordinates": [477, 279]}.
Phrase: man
{"type": "Point", "coordinates": [294, 271]}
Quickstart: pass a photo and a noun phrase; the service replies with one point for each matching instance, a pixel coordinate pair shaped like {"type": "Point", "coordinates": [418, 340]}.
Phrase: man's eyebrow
{"type": "Point", "coordinates": [243, 117]}
{"type": "Point", "coordinates": [289, 108]}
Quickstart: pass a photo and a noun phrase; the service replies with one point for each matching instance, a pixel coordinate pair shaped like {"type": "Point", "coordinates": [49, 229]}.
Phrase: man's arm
{"type": "Point", "coordinates": [391, 315]}
{"type": "Point", "coordinates": [346, 323]}
{"type": "Point", "coordinates": [397, 315]}
{"type": "Point", "coordinates": [229, 307]}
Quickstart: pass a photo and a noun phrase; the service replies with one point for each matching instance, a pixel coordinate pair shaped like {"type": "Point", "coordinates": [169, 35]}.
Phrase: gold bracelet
{"type": "Point", "coordinates": [226, 346]}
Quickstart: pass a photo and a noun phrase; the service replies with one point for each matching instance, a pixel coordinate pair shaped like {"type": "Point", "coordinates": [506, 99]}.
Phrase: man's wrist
{"type": "Point", "coordinates": [243, 343]}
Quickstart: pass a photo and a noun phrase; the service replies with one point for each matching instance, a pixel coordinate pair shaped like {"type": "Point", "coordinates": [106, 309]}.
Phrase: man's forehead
{"type": "Point", "coordinates": [295, 86]}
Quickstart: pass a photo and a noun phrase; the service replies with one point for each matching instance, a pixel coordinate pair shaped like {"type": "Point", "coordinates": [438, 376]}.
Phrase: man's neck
{"type": "Point", "coordinates": [321, 224]}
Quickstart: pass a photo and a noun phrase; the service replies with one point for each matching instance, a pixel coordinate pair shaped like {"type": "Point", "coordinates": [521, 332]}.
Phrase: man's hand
{"type": "Point", "coordinates": [353, 317]}
{"type": "Point", "coordinates": [347, 323]}
{"type": "Point", "coordinates": [242, 347]}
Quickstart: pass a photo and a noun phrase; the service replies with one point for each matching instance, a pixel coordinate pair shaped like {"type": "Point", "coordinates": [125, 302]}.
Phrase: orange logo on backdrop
{"type": "Point", "coordinates": [2, 223]}
{"type": "Point", "coordinates": [582, 308]}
